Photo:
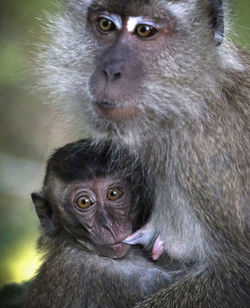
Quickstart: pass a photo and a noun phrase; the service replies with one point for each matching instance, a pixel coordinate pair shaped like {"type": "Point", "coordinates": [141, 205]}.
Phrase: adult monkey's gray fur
{"type": "Point", "coordinates": [180, 99]}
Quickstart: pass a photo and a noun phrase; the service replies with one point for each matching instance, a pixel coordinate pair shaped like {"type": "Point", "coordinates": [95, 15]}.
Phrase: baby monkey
{"type": "Point", "coordinates": [89, 204]}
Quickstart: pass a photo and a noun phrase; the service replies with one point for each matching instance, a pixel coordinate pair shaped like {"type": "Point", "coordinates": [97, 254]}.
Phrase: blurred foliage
{"type": "Point", "coordinates": [241, 22]}
{"type": "Point", "coordinates": [28, 133]}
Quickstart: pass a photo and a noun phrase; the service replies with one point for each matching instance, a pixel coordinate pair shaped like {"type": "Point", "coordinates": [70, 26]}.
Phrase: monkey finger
{"type": "Point", "coordinates": [140, 237]}
{"type": "Point", "coordinates": [158, 249]}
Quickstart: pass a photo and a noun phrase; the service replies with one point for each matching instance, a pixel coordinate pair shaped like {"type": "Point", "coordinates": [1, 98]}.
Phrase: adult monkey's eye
{"type": "Point", "coordinates": [105, 25]}
{"type": "Point", "coordinates": [114, 194]}
{"type": "Point", "coordinates": [84, 202]}
{"type": "Point", "coordinates": [145, 31]}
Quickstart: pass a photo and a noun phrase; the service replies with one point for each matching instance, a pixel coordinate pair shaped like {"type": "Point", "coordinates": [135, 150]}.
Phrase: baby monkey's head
{"type": "Point", "coordinates": [94, 194]}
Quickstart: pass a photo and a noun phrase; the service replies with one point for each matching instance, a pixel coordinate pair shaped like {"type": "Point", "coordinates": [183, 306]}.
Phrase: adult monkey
{"type": "Point", "coordinates": [158, 76]}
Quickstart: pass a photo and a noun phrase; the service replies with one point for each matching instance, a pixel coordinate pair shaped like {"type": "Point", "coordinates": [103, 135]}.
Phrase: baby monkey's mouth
{"type": "Point", "coordinates": [115, 251]}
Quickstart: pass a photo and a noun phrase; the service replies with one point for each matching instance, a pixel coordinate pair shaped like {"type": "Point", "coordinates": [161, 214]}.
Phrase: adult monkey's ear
{"type": "Point", "coordinates": [44, 213]}
{"type": "Point", "coordinates": [217, 20]}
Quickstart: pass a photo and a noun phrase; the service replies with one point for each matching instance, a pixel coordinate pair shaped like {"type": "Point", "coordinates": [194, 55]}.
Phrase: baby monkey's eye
{"type": "Point", "coordinates": [114, 194]}
{"type": "Point", "coordinates": [145, 31]}
{"type": "Point", "coordinates": [105, 25]}
{"type": "Point", "coordinates": [84, 202]}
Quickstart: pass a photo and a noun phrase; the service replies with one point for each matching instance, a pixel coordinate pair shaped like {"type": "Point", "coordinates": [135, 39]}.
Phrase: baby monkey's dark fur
{"type": "Point", "coordinates": [74, 274]}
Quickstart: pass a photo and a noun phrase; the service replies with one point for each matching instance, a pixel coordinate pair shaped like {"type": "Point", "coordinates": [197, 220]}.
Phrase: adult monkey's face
{"type": "Point", "coordinates": [148, 60]}
{"type": "Point", "coordinates": [129, 37]}
{"type": "Point", "coordinates": [134, 66]}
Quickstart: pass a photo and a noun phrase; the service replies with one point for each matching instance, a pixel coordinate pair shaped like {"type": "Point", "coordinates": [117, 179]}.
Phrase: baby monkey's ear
{"type": "Point", "coordinates": [44, 213]}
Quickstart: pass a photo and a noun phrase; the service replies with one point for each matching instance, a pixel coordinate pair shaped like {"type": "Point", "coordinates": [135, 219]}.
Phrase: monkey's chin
{"type": "Point", "coordinates": [116, 251]}
{"type": "Point", "coordinates": [115, 112]}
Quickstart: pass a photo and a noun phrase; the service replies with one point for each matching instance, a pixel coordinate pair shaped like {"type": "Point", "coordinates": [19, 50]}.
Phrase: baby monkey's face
{"type": "Point", "coordinates": [102, 206]}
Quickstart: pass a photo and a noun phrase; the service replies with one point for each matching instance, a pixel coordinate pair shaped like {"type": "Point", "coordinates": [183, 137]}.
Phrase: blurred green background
{"type": "Point", "coordinates": [29, 131]}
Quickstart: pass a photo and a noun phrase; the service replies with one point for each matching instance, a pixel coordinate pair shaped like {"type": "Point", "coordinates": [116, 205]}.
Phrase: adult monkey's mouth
{"type": "Point", "coordinates": [105, 104]}
{"type": "Point", "coordinates": [115, 111]}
